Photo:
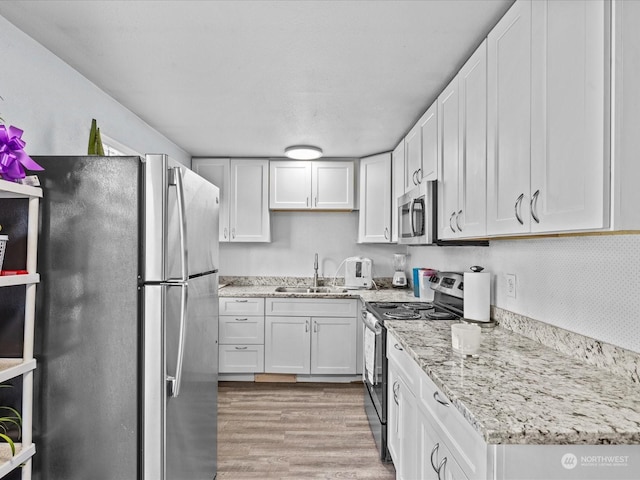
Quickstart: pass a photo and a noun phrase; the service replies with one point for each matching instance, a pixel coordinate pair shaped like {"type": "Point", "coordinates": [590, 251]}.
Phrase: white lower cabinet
{"type": "Point", "coordinates": [311, 336]}
{"type": "Point", "coordinates": [428, 438]}
{"type": "Point", "coordinates": [241, 335]}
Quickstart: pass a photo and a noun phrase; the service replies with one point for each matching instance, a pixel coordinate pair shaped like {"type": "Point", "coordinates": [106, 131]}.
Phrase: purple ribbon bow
{"type": "Point", "coordinates": [13, 158]}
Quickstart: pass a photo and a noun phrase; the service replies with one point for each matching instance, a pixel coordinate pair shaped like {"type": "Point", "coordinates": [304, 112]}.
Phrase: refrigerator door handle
{"type": "Point", "coordinates": [175, 179]}
{"type": "Point", "coordinates": [173, 382]}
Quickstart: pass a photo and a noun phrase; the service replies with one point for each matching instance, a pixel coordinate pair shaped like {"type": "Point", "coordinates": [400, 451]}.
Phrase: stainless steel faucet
{"type": "Point", "coordinates": [315, 274]}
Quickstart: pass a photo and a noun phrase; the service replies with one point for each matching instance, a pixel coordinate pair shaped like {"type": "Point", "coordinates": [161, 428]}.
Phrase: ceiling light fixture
{"type": "Point", "coordinates": [303, 152]}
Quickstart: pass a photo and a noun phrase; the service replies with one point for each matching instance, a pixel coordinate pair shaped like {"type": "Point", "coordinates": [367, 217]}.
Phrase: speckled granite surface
{"type": "Point", "coordinates": [520, 392]}
{"type": "Point", "coordinates": [617, 360]}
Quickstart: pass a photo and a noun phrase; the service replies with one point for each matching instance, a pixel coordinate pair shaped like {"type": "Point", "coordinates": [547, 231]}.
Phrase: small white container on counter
{"type": "Point", "coordinates": [465, 338]}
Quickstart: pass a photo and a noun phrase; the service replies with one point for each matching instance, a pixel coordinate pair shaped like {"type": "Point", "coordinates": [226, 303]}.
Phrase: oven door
{"type": "Point", "coordinates": [374, 363]}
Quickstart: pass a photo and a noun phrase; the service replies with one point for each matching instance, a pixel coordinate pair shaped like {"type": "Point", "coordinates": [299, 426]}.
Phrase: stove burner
{"type": "Point", "coordinates": [402, 315]}
{"type": "Point", "coordinates": [386, 305]}
{"type": "Point", "coordinates": [440, 315]}
{"type": "Point", "coordinates": [419, 306]}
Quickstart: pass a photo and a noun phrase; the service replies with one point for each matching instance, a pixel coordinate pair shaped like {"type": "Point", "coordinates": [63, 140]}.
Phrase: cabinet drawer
{"type": "Point", "coordinates": [406, 365]}
{"type": "Point", "coordinates": [312, 307]}
{"type": "Point", "coordinates": [466, 445]}
{"type": "Point", "coordinates": [241, 358]}
{"type": "Point", "coordinates": [241, 306]}
{"type": "Point", "coordinates": [239, 330]}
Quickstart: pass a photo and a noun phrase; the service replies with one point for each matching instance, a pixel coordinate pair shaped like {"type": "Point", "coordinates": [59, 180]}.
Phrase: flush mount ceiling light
{"type": "Point", "coordinates": [303, 152]}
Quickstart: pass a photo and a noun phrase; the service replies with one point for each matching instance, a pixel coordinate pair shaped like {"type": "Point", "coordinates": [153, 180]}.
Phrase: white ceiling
{"type": "Point", "coordinates": [248, 78]}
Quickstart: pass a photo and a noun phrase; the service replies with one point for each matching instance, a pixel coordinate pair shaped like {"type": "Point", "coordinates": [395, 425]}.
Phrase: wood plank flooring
{"type": "Point", "coordinates": [295, 431]}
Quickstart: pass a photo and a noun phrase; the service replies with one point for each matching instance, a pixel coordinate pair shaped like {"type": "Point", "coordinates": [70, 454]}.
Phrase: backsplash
{"type": "Point", "coordinates": [616, 360]}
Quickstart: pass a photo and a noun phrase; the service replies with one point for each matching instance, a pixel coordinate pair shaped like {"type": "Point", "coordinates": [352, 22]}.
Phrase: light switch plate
{"type": "Point", "coordinates": [511, 284]}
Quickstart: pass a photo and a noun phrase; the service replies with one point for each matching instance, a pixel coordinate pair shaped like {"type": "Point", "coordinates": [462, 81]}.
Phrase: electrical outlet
{"type": "Point", "coordinates": [511, 284]}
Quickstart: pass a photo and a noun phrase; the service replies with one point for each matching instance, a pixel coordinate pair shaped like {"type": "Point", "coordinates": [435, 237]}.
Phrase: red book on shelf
{"type": "Point", "coordinates": [4, 273]}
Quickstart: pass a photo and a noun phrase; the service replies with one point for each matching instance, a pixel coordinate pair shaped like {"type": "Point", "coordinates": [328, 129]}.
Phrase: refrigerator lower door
{"type": "Point", "coordinates": [181, 221]}
{"type": "Point", "coordinates": [181, 380]}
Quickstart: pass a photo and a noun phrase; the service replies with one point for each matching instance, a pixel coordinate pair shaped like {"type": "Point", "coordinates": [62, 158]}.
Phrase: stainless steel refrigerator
{"type": "Point", "coordinates": [126, 321]}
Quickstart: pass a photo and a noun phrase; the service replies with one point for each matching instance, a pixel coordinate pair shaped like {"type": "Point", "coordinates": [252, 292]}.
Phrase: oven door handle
{"type": "Point", "coordinates": [371, 323]}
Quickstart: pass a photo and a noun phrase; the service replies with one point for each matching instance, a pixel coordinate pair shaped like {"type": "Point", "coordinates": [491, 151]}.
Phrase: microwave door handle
{"type": "Point", "coordinates": [411, 225]}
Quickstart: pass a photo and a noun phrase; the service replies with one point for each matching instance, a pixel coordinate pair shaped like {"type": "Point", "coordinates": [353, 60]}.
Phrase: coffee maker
{"type": "Point", "coordinates": [399, 276]}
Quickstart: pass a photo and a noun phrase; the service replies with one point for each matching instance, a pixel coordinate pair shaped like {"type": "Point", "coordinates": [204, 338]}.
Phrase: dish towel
{"type": "Point", "coordinates": [369, 354]}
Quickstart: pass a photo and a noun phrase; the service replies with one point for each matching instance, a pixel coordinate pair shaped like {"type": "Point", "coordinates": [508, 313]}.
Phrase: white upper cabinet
{"type": "Point", "coordinates": [397, 186]}
{"type": "Point", "coordinates": [569, 140]}
{"type": "Point", "coordinates": [421, 150]}
{"type": "Point", "coordinates": [375, 199]}
{"type": "Point", "coordinates": [244, 196]}
{"type": "Point", "coordinates": [462, 185]}
{"type": "Point", "coordinates": [303, 185]}
{"type": "Point", "coordinates": [216, 170]}
{"type": "Point", "coordinates": [290, 185]}
{"type": "Point", "coordinates": [509, 122]}
{"type": "Point", "coordinates": [548, 132]}
{"type": "Point", "coordinates": [249, 210]}
{"type": "Point", "coordinates": [332, 185]}
{"type": "Point", "coordinates": [448, 114]}
{"type": "Point", "coordinates": [471, 219]}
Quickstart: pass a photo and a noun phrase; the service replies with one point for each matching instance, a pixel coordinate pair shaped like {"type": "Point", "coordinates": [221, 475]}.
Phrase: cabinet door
{"type": "Point", "coordinates": [472, 173]}
{"type": "Point", "coordinates": [216, 170]}
{"type": "Point", "coordinates": [397, 189]}
{"type": "Point", "coordinates": [290, 185]}
{"type": "Point", "coordinates": [429, 453]}
{"type": "Point", "coordinates": [448, 117]}
{"type": "Point", "coordinates": [333, 346]}
{"type": "Point", "coordinates": [249, 209]}
{"type": "Point", "coordinates": [374, 225]}
{"type": "Point", "coordinates": [332, 185]}
{"type": "Point", "coordinates": [429, 133]}
{"type": "Point", "coordinates": [393, 415]}
{"type": "Point", "coordinates": [413, 158]}
{"type": "Point", "coordinates": [570, 158]}
{"type": "Point", "coordinates": [287, 345]}
{"type": "Point", "coordinates": [408, 416]}
{"type": "Point", "coordinates": [509, 121]}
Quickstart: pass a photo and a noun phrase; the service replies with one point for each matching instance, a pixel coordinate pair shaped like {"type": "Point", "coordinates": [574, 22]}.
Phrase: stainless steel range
{"type": "Point", "coordinates": [447, 305]}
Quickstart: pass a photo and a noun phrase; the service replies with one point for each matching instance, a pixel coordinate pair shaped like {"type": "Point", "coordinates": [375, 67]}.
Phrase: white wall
{"type": "Point", "coordinates": [54, 104]}
{"type": "Point", "coordinates": [296, 237]}
{"type": "Point", "coordinates": [589, 285]}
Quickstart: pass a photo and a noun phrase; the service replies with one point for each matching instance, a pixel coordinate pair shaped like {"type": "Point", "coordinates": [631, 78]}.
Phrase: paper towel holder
{"type": "Point", "coordinates": [481, 323]}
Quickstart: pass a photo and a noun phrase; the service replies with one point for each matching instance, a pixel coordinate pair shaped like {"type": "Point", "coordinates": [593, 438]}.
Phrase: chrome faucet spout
{"type": "Point", "coordinates": [315, 272]}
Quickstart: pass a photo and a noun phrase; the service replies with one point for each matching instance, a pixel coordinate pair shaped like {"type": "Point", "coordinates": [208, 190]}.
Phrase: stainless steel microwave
{"type": "Point", "coordinates": [416, 215]}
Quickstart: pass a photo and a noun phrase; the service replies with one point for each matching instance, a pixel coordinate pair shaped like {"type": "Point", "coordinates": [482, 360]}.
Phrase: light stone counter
{"type": "Point", "coordinates": [518, 391]}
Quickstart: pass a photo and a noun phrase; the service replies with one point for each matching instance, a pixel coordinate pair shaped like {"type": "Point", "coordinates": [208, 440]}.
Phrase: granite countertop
{"type": "Point", "coordinates": [518, 391]}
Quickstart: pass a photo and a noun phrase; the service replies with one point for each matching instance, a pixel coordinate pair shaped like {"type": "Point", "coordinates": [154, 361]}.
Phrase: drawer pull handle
{"type": "Point", "coordinates": [436, 397]}
{"type": "Point", "coordinates": [241, 348]}
{"type": "Point", "coordinates": [396, 387]}
{"type": "Point", "coordinates": [433, 464]}
{"type": "Point", "coordinates": [241, 301]}
{"type": "Point", "coordinates": [397, 347]}
{"type": "Point", "coordinates": [241, 319]}
{"type": "Point", "coordinates": [441, 467]}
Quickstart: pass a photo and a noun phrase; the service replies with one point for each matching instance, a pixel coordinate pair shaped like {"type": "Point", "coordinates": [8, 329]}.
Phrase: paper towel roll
{"type": "Point", "coordinates": [477, 296]}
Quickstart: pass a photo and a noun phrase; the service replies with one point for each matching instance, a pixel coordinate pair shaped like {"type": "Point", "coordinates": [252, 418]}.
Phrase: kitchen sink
{"type": "Point", "coordinates": [332, 290]}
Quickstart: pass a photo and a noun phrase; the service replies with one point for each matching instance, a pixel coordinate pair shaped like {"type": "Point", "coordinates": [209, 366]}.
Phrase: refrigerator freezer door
{"type": "Point", "coordinates": [181, 429]}
{"type": "Point", "coordinates": [180, 206]}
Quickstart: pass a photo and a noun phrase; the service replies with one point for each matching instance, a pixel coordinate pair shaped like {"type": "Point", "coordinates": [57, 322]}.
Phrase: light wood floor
{"type": "Point", "coordinates": [295, 431]}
